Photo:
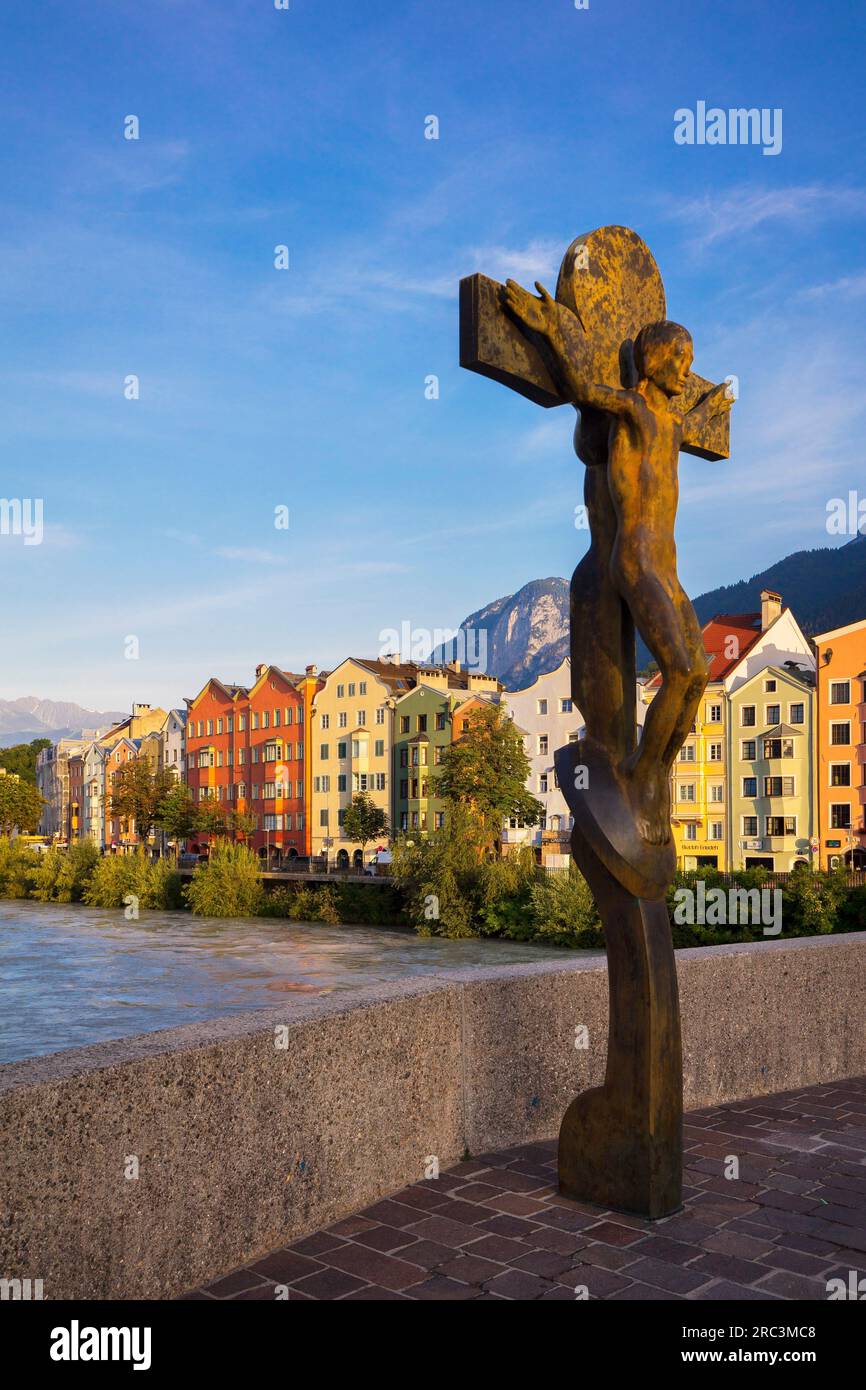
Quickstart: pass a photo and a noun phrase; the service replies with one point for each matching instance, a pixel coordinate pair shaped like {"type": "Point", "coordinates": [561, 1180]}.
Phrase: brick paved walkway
{"type": "Point", "coordinates": [495, 1227]}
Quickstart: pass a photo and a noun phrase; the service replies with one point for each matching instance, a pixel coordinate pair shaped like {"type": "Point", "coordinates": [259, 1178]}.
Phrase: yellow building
{"type": "Point", "coordinates": [699, 785]}
{"type": "Point", "coordinates": [350, 749]}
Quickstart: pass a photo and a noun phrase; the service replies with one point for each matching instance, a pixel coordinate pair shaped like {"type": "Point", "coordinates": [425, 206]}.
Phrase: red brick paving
{"type": "Point", "coordinates": [495, 1227]}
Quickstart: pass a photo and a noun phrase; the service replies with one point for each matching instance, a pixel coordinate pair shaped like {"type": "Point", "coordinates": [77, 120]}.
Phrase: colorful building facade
{"type": "Point", "coordinates": [545, 714]}
{"type": "Point", "coordinates": [840, 752]}
{"type": "Point", "coordinates": [770, 743]}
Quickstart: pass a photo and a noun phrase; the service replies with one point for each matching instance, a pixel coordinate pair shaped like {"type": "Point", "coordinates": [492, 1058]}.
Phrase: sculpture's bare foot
{"type": "Point", "coordinates": [649, 793]}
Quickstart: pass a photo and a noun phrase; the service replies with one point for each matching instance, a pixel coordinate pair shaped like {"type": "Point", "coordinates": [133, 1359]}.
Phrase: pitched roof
{"type": "Point", "coordinates": [717, 634]}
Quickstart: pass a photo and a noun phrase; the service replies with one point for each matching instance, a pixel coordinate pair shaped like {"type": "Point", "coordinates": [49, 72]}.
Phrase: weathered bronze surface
{"type": "Point", "coordinates": [604, 345]}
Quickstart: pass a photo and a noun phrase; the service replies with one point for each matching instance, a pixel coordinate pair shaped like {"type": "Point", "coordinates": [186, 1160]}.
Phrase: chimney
{"type": "Point", "coordinates": [260, 670]}
{"type": "Point", "coordinates": [139, 710]}
{"type": "Point", "coordinates": [771, 608]}
{"type": "Point", "coordinates": [453, 666]}
{"type": "Point", "coordinates": [312, 670]}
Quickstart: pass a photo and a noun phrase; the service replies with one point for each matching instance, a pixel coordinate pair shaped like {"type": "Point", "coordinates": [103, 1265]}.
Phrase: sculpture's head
{"type": "Point", "coordinates": [663, 354]}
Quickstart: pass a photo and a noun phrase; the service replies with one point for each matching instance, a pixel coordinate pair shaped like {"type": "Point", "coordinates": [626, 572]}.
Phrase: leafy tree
{"type": "Point", "coordinates": [138, 792]}
{"type": "Point", "coordinates": [228, 885]}
{"type": "Point", "coordinates": [486, 770]}
{"type": "Point", "coordinates": [364, 820]}
{"type": "Point", "coordinates": [212, 819]}
{"type": "Point", "coordinates": [20, 806]}
{"type": "Point", "coordinates": [21, 758]}
{"type": "Point", "coordinates": [176, 813]}
{"type": "Point", "coordinates": [244, 824]}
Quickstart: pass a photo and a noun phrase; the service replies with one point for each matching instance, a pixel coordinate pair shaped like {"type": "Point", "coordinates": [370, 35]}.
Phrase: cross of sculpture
{"type": "Point", "coordinates": [604, 344]}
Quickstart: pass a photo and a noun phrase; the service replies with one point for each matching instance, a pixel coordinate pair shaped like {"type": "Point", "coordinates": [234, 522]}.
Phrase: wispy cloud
{"type": "Point", "coordinates": [852, 286]}
{"type": "Point", "coordinates": [713, 215]}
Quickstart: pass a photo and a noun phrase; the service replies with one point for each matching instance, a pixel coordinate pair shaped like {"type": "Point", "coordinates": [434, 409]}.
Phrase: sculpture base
{"type": "Point", "coordinates": [604, 817]}
{"type": "Point", "coordinates": [621, 1144]}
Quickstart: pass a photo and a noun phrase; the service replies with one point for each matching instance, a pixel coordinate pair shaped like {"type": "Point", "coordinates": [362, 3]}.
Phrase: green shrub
{"type": "Point", "coordinates": [119, 877]}
{"type": "Point", "coordinates": [63, 875]}
{"type": "Point", "coordinates": [229, 884]}
{"type": "Point", "coordinates": [564, 911]}
{"type": "Point", "coordinates": [18, 864]}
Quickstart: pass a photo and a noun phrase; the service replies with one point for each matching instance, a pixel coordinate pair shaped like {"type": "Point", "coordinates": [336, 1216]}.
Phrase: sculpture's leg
{"type": "Point", "coordinates": [620, 1145]}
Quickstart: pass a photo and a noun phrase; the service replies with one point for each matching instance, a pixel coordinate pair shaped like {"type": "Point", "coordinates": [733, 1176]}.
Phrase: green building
{"type": "Point", "coordinates": [771, 761]}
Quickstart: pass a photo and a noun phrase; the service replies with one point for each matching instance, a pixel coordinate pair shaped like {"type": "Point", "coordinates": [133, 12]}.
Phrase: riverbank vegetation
{"type": "Point", "coordinates": [451, 885]}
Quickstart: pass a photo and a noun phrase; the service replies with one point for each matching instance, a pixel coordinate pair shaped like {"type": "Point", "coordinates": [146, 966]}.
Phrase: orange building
{"type": "Point", "coordinates": [840, 773]}
{"type": "Point", "coordinates": [246, 751]}
{"type": "Point", "coordinates": [120, 832]}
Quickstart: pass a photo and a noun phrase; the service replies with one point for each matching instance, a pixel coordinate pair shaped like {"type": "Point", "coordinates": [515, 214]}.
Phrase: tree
{"type": "Point", "coordinates": [244, 824]}
{"type": "Point", "coordinates": [21, 758]}
{"type": "Point", "coordinates": [137, 793]}
{"type": "Point", "coordinates": [364, 820]}
{"type": "Point", "coordinates": [486, 770]}
{"type": "Point", "coordinates": [176, 813]}
{"type": "Point", "coordinates": [20, 806]}
{"type": "Point", "coordinates": [212, 819]}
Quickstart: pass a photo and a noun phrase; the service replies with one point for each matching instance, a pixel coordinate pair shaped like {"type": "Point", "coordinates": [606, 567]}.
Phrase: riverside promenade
{"type": "Point", "coordinates": [494, 1227]}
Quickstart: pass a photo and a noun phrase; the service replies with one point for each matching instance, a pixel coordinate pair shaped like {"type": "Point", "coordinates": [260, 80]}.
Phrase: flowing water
{"type": "Point", "coordinates": [71, 975]}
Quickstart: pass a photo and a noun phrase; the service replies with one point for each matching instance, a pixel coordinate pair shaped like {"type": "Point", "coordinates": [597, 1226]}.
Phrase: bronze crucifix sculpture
{"type": "Point", "coordinates": [604, 345]}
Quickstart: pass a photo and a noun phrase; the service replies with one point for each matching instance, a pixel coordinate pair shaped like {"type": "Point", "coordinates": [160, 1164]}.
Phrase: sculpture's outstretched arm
{"type": "Point", "coordinates": [561, 333]}
{"type": "Point", "coordinates": [715, 402]}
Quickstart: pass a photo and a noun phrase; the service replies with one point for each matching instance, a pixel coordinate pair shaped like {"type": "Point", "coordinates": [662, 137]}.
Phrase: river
{"type": "Point", "coordinates": [72, 975]}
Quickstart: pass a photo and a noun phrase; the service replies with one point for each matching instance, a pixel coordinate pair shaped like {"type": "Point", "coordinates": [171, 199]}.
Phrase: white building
{"type": "Point", "coordinates": [547, 718]}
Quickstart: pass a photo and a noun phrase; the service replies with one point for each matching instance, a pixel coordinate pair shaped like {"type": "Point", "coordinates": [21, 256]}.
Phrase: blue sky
{"type": "Point", "coordinates": [305, 388]}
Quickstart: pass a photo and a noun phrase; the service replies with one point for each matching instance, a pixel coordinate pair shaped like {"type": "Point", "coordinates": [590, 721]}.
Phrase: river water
{"type": "Point", "coordinates": [72, 975]}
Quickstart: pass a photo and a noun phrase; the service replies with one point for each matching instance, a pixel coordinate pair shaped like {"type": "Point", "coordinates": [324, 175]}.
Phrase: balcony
{"type": "Point", "coordinates": [861, 752]}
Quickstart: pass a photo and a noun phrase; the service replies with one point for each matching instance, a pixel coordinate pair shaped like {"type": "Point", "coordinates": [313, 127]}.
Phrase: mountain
{"type": "Point", "coordinates": [23, 720]}
{"type": "Point", "coordinates": [526, 634]}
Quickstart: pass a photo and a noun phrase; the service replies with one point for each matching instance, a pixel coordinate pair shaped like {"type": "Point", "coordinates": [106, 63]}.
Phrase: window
{"type": "Point", "coordinates": [542, 707]}
{"type": "Point", "coordinates": [362, 717]}
{"type": "Point", "coordinates": [440, 722]}
{"type": "Point", "coordinates": [276, 718]}
{"type": "Point", "coordinates": [242, 723]}
{"type": "Point", "coordinates": [750, 825]}
{"type": "Point", "coordinates": [323, 818]}
{"type": "Point", "coordinates": [341, 691]}
{"type": "Point", "coordinates": [778, 748]}
{"type": "Point", "coordinates": [780, 825]}
{"type": "Point", "coordinates": [404, 723]}
{"type": "Point", "coordinates": [691, 831]}
{"type": "Point", "coordinates": [200, 728]}
{"type": "Point", "coordinates": [323, 752]}
{"type": "Point", "coordinates": [254, 754]}
{"type": "Point", "coordinates": [778, 786]}
{"type": "Point", "coordinates": [343, 719]}
{"type": "Point", "coordinates": [379, 781]}
{"type": "Point", "coordinates": [542, 782]}
{"type": "Point", "coordinates": [715, 752]}
{"type": "Point", "coordinates": [356, 748]}
{"type": "Point", "coordinates": [255, 723]}
{"type": "Point", "coordinates": [840, 692]}
{"type": "Point", "coordinates": [840, 774]}
{"type": "Point", "coordinates": [439, 820]}
{"type": "Point", "coordinates": [566, 706]}
{"type": "Point", "coordinates": [422, 723]}
{"type": "Point", "coordinates": [717, 792]}
{"type": "Point", "coordinates": [437, 755]}
{"type": "Point", "coordinates": [380, 715]}
{"type": "Point", "coordinates": [219, 726]}
{"type": "Point", "coordinates": [325, 721]}
{"type": "Point", "coordinates": [404, 820]}
{"type": "Point", "coordinates": [542, 743]}
{"type": "Point", "coordinates": [687, 791]}
{"type": "Point", "coordinates": [341, 750]}
{"type": "Point", "coordinates": [687, 754]}
{"type": "Point", "coordinates": [379, 748]}
{"type": "Point", "coordinates": [351, 690]}
{"type": "Point", "coordinates": [717, 830]}
{"type": "Point", "coordinates": [714, 714]}
{"type": "Point", "coordinates": [774, 714]}
{"type": "Point", "coordinates": [404, 789]}
{"type": "Point", "coordinates": [747, 750]}
{"type": "Point", "coordinates": [272, 752]}
{"type": "Point", "coordinates": [362, 687]}
{"type": "Point", "coordinates": [747, 716]}
{"type": "Point", "coordinates": [840, 734]}
{"type": "Point", "coordinates": [341, 781]}
{"type": "Point", "coordinates": [230, 724]}
{"type": "Point", "coordinates": [770, 687]}
{"type": "Point", "coordinates": [266, 719]}
{"type": "Point", "coordinates": [797, 713]}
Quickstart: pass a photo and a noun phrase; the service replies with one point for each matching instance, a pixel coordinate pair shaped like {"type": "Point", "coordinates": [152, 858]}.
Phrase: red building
{"type": "Point", "coordinates": [245, 753]}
